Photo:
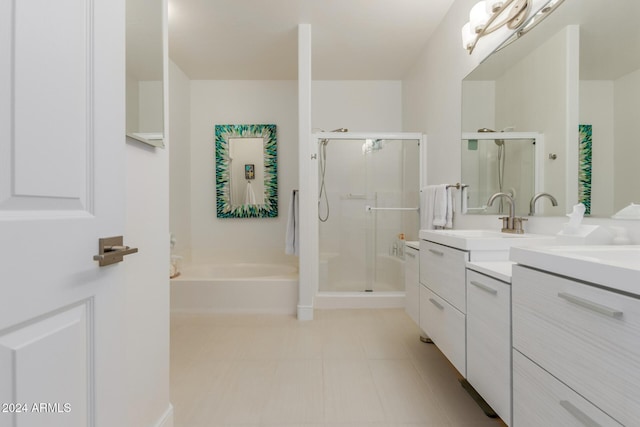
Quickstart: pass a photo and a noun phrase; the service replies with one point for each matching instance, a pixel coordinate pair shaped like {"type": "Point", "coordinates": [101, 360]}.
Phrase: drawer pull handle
{"type": "Point", "coordinates": [594, 306]}
{"type": "Point", "coordinates": [484, 287]}
{"type": "Point", "coordinates": [436, 303]}
{"type": "Point", "coordinates": [410, 254]}
{"type": "Point", "coordinates": [578, 414]}
{"type": "Point", "coordinates": [433, 251]}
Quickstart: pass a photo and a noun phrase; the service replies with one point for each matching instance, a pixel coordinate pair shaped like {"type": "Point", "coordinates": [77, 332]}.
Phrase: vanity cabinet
{"type": "Point", "coordinates": [412, 282]}
{"type": "Point", "coordinates": [443, 300]}
{"type": "Point", "coordinates": [489, 341]}
{"type": "Point", "coordinates": [576, 351]}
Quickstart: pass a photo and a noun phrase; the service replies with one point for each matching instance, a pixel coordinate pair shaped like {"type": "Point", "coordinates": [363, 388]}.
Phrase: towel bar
{"type": "Point", "coordinates": [370, 208]}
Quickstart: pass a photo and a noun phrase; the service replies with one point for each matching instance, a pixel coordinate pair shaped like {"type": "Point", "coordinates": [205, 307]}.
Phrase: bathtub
{"type": "Point", "coordinates": [235, 288]}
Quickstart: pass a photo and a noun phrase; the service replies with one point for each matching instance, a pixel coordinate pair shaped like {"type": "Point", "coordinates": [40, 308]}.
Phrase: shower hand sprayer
{"type": "Point", "coordinates": [323, 167]}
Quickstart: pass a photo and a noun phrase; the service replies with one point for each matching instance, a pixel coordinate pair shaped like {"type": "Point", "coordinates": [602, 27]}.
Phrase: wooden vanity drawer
{"type": "Point", "coordinates": [587, 337]}
{"type": "Point", "coordinates": [442, 269]}
{"type": "Point", "coordinates": [445, 325]}
{"type": "Point", "coordinates": [539, 399]}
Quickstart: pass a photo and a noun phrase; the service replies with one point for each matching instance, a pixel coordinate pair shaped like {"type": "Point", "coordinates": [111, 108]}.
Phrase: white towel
{"type": "Point", "coordinates": [249, 195]}
{"type": "Point", "coordinates": [436, 207]}
{"type": "Point", "coordinates": [450, 207]}
{"type": "Point", "coordinates": [440, 206]}
{"type": "Point", "coordinates": [292, 242]}
{"type": "Point", "coordinates": [427, 197]}
{"type": "Point", "coordinates": [463, 201]}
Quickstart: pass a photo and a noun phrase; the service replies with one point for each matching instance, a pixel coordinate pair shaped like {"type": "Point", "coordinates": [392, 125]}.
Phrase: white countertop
{"type": "Point", "coordinates": [483, 240]}
{"type": "Point", "coordinates": [500, 270]}
{"type": "Point", "coordinates": [615, 267]}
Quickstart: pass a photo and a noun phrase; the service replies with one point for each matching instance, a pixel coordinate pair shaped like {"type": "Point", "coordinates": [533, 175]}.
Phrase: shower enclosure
{"type": "Point", "coordinates": [368, 188]}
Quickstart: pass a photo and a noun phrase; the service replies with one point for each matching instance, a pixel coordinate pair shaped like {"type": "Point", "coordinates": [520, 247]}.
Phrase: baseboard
{"type": "Point", "coordinates": [166, 420]}
{"type": "Point", "coordinates": [305, 312]}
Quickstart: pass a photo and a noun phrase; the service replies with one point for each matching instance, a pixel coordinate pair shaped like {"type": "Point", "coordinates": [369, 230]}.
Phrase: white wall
{"type": "Point", "coordinates": [360, 106]}
{"type": "Point", "coordinates": [431, 95]}
{"type": "Point", "coordinates": [147, 287]}
{"type": "Point", "coordinates": [180, 160]}
{"type": "Point", "coordinates": [147, 274]}
{"type": "Point", "coordinates": [240, 102]}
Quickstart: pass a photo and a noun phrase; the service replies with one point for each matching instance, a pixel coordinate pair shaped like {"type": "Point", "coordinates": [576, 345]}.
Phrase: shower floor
{"type": "Point", "coordinates": [360, 286]}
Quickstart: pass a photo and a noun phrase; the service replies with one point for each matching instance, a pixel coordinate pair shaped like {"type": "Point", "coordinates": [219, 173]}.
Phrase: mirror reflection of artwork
{"type": "Point", "coordinates": [584, 171]}
{"type": "Point", "coordinates": [249, 171]}
{"type": "Point", "coordinates": [246, 171]}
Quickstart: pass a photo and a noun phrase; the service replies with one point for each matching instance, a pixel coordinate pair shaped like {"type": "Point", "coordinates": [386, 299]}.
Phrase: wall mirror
{"type": "Point", "coordinates": [529, 87]}
{"type": "Point", "coordinates": [246, 171]}
{"type": "Point", "coordinates": [500, 162]}
{"type": "Point", "coordinates": [144, 78]}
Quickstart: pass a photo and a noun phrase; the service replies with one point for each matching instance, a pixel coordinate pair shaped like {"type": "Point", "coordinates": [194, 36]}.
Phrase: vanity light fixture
{"type": "Point", "coordinates": [539, 17]}
{"type": "Point", "coordinates": [489, 15]}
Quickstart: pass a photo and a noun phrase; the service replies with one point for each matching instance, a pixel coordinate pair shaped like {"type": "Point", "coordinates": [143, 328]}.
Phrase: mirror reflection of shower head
{"type": "Point", "coordinates": [498, 142]}
{"type": "Point", "coordinates": [325, 141]}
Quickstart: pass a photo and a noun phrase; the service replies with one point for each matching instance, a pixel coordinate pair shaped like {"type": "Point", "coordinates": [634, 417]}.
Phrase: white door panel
{"type": "Point", "coordinates": [61, 189]}
{"type": "Point", "coordinates": [39, 398]}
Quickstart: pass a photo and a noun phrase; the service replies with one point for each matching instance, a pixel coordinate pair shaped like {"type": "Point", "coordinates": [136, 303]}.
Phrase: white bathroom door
{"type": "Point", "coordinates": [61, 189]}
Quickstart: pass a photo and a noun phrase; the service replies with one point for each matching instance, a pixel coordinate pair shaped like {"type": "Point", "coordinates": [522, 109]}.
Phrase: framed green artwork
{"type": "Point", "coordinates": [246, 159]}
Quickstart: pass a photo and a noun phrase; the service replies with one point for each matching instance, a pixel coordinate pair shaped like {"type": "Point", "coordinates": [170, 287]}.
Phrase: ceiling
{"type": "Point", "coordinates": [257, 39]}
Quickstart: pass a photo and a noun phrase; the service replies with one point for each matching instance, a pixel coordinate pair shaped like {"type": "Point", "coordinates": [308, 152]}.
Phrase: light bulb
{"type": "Point", "coordinates": [467, 35]}
{"type": "Point", "coordinates": [478, 16]}
{"type": "Point", "coordinates": [494, 5]}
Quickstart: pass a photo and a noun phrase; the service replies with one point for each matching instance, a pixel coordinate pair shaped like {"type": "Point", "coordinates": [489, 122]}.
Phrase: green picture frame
{"type": "Point", "coordinates": [223, 167]}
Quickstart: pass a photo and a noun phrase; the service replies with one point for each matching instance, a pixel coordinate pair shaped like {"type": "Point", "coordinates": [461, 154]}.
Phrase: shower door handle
{"type": "Point", "coordinates": [370, 208]}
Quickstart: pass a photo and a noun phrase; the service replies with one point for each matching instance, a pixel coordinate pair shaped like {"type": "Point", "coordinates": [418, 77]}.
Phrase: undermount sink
{"type": "Point", "coordinates": [616, 267]}
{"type": "Point", "coordinates": [488, 240]}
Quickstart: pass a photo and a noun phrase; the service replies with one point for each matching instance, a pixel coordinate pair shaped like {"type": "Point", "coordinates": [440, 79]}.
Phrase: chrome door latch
{"type": "Point", "coordinates": [111, 251]}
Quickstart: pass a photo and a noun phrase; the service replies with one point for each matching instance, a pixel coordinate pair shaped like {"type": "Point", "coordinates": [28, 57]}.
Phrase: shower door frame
{"type": "Point", "coordinates": [310, 225]}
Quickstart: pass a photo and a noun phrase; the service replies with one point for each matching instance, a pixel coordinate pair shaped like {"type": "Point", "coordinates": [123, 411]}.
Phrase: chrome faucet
{"type": "Point", "coordinates": [510, 224]}
{"type": "Point", "coordinates": [532, 203]}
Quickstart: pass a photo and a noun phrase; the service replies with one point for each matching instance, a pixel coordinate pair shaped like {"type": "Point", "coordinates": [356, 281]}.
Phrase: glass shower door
{"type": "Point", "coordinates": [368, 183]}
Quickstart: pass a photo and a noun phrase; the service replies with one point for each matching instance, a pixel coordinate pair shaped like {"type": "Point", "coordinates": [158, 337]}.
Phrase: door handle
{"type": "Point", "coordinates": [111, 251]}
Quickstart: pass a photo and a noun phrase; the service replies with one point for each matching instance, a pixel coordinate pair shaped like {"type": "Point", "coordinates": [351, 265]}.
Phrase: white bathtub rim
{"type": "Point", "coordinates": [206, 272]}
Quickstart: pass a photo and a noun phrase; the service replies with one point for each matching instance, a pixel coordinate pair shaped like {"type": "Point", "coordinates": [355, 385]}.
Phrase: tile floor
{"type": "Point", "coordinates": [349, 368]}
